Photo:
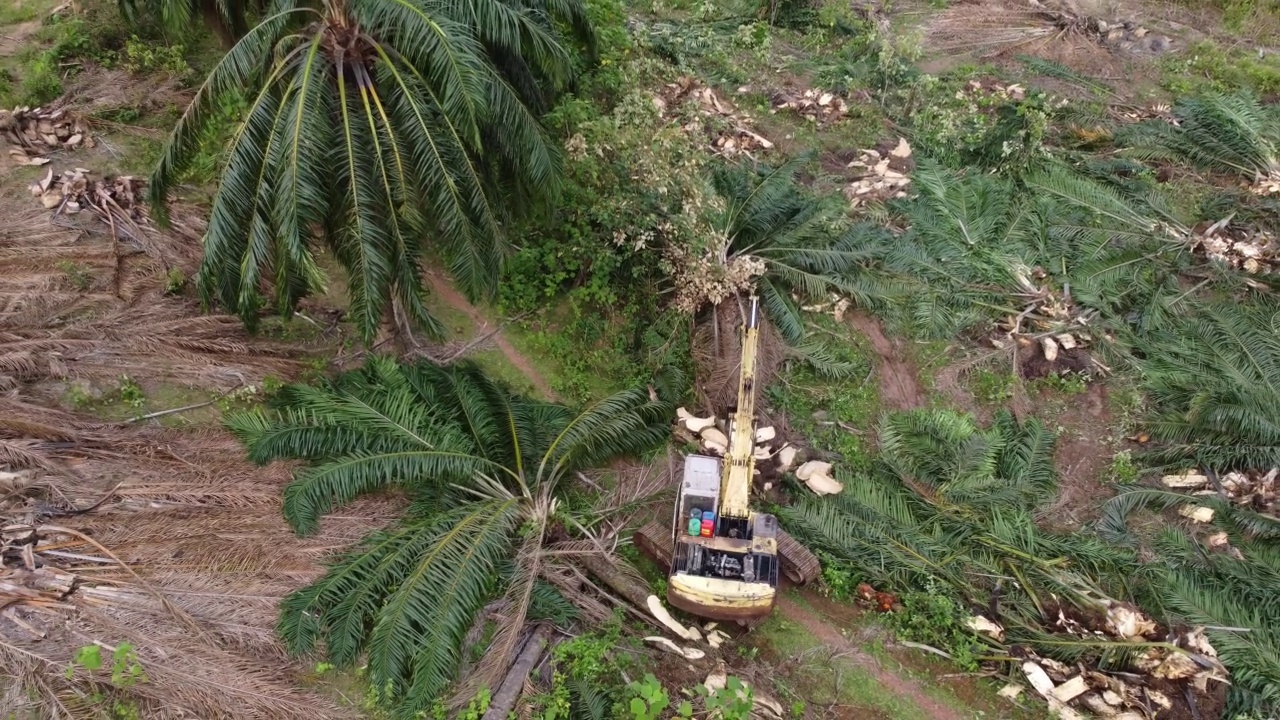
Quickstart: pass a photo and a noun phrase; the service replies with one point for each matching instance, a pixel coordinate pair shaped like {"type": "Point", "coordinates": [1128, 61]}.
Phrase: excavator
{"type": "Point", "coordinates": [724, 556]}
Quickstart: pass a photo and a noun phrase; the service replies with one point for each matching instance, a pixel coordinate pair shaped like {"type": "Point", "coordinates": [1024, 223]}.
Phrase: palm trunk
{"type": "Point", "coordinates": [504, 701]}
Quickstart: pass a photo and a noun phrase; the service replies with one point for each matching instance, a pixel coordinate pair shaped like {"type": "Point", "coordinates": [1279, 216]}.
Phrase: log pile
{"type": "Point", "coordinates": [32, 133]}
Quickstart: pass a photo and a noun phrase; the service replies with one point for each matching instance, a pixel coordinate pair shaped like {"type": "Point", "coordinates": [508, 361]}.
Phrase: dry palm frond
{"type": "Point", "coordinates": [717, 352]}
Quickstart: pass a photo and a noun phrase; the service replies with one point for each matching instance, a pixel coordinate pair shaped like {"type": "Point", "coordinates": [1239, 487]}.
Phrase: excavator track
{"type": "Point", "coordinates": [798, 564]}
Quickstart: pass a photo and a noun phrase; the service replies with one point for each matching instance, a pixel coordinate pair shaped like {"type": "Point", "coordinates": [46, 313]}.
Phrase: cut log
{"type": "Point", "coordinates": [634, 592]}
{"type": "Point", "coordinates": [504, 701]}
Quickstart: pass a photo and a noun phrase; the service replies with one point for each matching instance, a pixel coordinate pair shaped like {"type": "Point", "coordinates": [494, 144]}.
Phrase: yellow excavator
{"type": "Point", "coordinates": [725, 561]}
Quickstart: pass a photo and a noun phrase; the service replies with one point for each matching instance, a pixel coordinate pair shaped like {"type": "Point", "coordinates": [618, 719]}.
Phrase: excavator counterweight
{"type": "Point", "coordinates": [725, 561]}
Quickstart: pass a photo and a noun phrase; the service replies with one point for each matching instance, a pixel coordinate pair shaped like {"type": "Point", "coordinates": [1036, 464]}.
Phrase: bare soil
{"type": "Point", "coordinates": [15, 37]}
{"type": "Point", "coordinates": [446, 292]}
{"type": "Point", "coordinates": [1085, 449]}
{"type": "Point", "coordinates": [832, 638]}
{"type": "Point", "coordinates": [896, 372]}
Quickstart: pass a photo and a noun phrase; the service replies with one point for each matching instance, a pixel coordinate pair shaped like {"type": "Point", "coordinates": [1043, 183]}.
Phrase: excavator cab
{"type": "Point", "coordinates": [725, 563]}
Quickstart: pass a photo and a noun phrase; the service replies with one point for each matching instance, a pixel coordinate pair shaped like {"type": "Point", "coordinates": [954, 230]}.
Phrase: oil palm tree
{"type": "Point", "coordinates": [952, 505]}
{"type": "Point", "coordinates": [803, 248]}
{"type": "Point", "coordinates": [484, 469]}
{"type": "Point", "coordinates": [381, 130]}
{"type": "Point", "coordinates": [1227, 586]}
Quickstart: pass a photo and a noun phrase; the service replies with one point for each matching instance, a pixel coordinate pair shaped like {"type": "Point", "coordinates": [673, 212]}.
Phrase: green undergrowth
{"type": "Point", "coordinates": [832, 416]}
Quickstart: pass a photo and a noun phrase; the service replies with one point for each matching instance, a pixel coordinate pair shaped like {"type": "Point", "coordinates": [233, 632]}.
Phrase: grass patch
{"type": "Point", "coordinates": [817, 678]}
{"type": "Point", "coordinates": [834, 416]}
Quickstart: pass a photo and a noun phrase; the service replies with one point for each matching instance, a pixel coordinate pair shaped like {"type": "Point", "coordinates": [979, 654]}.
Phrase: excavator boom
{"type": "Point", "coordinates": [725, 559]}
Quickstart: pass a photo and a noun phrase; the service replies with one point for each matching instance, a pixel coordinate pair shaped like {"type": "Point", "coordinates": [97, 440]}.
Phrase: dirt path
{"type": "Point", "coordinates": [896, 373]}
{"type": "Point", "coordinates": [831, 637]}
{"type": "Point", "coordinates": [14, 37]}
{"type": "Point", "coordinates": [444, 290]}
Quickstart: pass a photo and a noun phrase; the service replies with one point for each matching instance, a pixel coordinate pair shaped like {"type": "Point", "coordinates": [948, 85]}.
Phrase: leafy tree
{"type": "Point", "coordinates": [485, 469]}
{"type": "Point", "coordinates": [381, 130]}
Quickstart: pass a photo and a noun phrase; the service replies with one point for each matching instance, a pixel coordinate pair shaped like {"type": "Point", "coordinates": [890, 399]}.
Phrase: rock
{"type": "Point", "coordinates": [807, 470]}
{"type": "Point", "coordinates": [1188, 479]}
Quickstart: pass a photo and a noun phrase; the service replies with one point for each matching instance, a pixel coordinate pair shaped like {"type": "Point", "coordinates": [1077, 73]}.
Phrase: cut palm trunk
{"type": "Point", "coordinates": [504, 701]}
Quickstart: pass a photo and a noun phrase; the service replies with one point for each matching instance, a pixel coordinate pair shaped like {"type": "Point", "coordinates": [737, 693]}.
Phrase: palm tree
{"type": "Point", "coordinates": [770, 236]}
{"type": "Point", "coordinates": [381, 130]}
{"type": "Point", "coordinates": [792, 247]}
{"type": "Point", "coordinates": [953, 505]}
{"type": "Point", "coordinates": [1058, 245]}
{"type": "Point", "coordinates": [485, 470]}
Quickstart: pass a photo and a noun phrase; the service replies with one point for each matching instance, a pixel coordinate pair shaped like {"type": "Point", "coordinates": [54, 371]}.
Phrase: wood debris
{"type": "Point", "coordinates": [117, 201]}
{"type": "Point", "coordinates": [1254, 489]}
{"type": "Point", "coordinates": [728, 129]}
{"type": "Point", "coordinates": [1186, 480]}
{"type": "Point", "coordinates": [35, 132]}
{"type": "Point", "coordinates": [818, 106]}
{"type": "Point", "coordinates": [1254, 251]}
{"type": "Point", "coordinates": [884, 173]}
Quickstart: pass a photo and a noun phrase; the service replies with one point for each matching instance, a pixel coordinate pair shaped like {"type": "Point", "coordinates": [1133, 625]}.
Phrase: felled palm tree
{"type": "Point", "coordinates": [768, 235]}
{"type": "Point", "coordinates": [485, 469]}
{"type": "Point", "coordinates": [1226, 133]}
{"type": "Point", "coordinates": [773, 236]}
{"type": "Point", "coordinates": [953, 504]}
{"type": "Point", "coordinates": [1227, 585]}
{"type": "Point", "coordinates": [381, 130]}
{"type": "Point", "coordinates": [1214, 379]}
{"type": "Point", "coordinates": [1057, 244]}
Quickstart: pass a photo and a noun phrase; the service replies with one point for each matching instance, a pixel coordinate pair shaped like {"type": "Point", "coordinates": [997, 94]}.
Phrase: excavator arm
{"type": "Point", "coordinates": [725, 560]}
